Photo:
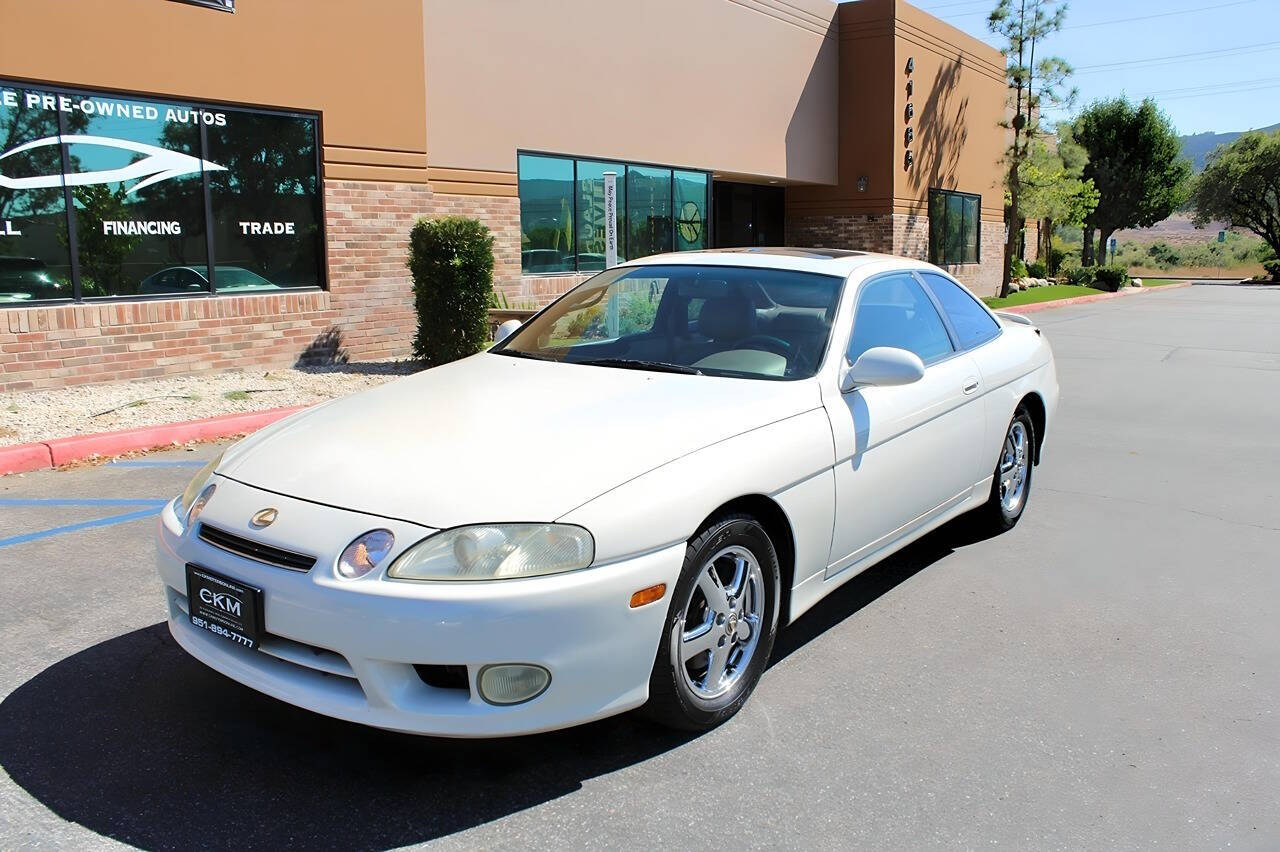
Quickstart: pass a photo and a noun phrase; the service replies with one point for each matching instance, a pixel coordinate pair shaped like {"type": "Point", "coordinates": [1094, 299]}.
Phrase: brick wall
{"type": "Point", "coordinates": [859, 232]}
{"type": "Point", "coordinates": [367, 226]}
{"type": "Point", "coordinates": [80, 344]}
{"type": "Point", "coordinates": [367, 312]}
{"type": "Point", "coordinates": [501, 214]}
{"type": "Point", "coordinates": [899, 234]}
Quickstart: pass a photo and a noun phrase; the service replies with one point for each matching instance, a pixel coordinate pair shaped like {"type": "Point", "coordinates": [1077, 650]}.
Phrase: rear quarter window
{"type": "Point", "coordinates": [973, 325]}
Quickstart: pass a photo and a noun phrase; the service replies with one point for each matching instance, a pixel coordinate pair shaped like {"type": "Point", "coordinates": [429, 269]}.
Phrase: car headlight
{"type": "Point", "coordinates": [497, 552]}
{"type": "Point", "coordinates": [195, 489]}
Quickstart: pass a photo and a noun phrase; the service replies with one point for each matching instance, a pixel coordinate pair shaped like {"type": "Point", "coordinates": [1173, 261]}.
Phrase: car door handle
{"type": "Point", "coordinates": [970, 385]}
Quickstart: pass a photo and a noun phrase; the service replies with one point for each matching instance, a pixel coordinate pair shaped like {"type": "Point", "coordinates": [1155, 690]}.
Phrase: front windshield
{"type": "Point", "coordinates": [710, 320]}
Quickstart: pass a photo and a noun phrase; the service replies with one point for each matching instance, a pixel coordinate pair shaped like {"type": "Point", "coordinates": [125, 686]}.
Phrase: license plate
{"type": "Point", "coordinates": [223, 606]}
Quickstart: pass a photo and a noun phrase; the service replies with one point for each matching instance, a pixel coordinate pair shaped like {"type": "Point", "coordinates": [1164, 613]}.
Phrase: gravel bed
{"type": "Point", "coordinates": [40, 415]}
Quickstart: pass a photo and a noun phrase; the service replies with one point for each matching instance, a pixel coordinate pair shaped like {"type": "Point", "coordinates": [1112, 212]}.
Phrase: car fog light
{"type": "Point", "coordinates": [364, 554]}
{"type": "Point", "coordinates": [512, 683]}
{"type": "Point", "coordinates": [200, 502]}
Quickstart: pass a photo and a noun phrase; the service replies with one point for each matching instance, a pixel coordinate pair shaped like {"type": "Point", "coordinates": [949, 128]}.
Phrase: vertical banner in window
{"type": "Point", "coordinates": [610, 220]}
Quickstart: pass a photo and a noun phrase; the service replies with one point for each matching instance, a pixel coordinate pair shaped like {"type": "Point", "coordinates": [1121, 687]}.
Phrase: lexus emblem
{"type": "Point", "coordinates": [265, 518]}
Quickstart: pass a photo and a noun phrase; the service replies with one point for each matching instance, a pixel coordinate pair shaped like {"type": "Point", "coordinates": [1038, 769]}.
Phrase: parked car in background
{"type": "Point", "coordinates": [708, 444]}
{"type": "Point", "coordinates": [193, 279]}
{"type": "Point", "coordinates": [24, 279]}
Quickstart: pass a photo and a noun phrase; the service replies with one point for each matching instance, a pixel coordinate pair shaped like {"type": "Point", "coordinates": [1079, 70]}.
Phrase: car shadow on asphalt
{"type": "Point", "coordinates": [137, 741]}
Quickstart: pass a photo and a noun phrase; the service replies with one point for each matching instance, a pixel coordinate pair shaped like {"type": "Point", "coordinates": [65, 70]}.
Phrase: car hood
{"type": "Point", "coordinates": [495, 438]}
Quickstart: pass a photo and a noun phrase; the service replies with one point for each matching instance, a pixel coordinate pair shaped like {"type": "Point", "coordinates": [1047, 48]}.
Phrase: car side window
{"type": "Point", "coordinates": [973, 325]}
{"type": "Point", "coordinates": [895, 311]}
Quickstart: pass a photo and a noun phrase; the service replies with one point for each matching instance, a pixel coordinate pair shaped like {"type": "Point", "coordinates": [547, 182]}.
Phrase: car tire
{"type": "Point", "coordinates": [1011, 482]}
{"type": "Point", "coordinates": [732, 627]}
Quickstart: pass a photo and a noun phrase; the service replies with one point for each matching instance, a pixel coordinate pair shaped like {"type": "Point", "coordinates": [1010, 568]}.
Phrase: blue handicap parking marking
{"type": "Point", "coordinates": [83, 525]}
{"type": "Point", "coordinates": [150, 507]}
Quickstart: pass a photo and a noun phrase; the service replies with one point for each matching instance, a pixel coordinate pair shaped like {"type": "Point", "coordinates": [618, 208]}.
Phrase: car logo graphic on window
{"type": "Point", "coordinates": [265, 518]}
{"type": "Point", "coordinates": [159, 164]}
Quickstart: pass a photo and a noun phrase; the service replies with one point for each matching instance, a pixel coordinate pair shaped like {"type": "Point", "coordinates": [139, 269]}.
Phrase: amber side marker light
{"type": "Point", "coordinates": [649, 595]}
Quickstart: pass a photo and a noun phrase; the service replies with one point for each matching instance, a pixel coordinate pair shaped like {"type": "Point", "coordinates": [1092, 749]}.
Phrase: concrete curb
{"type": "Point", "coordinates": [1080, 300]}
{"type": "Point", "coordinates": [59, 451]}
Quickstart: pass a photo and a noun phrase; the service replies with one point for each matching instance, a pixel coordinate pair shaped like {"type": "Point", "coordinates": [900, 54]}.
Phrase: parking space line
{"type": "Point", "coordinates": [84, 525]}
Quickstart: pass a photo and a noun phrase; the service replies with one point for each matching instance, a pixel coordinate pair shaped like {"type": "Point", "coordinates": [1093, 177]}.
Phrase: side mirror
{"type": "Point", "coordinates": [883, 366]}
{"type": "Point", "coordinates": [505, 330]}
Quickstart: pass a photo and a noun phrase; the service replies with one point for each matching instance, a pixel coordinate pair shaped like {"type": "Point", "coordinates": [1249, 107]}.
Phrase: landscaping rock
{"type": "Point", "coordinates": [30, 416]}
{"type": "Point", "coordinates": [1135, 282]}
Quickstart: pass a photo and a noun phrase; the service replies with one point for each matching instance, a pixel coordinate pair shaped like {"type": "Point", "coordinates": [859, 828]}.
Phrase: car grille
{"type": "Point", "coordinates": [256, 550]}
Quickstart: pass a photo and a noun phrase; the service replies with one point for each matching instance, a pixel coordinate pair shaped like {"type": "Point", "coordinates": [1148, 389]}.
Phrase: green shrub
{"type": "Point", "coordinates": [1056, 257]}
{"type": "Point", "coordinates": [1019, 268]}
{"type": "Point", "coordinates": [451, 260]}
{"type": "Point", "coordinates": [1273, 268]}
{"type": "Point", "coordinates": [1080, 276]}
{"type": "Point", "coordinates": [1038, 269]}
{"type": "Point", "coordinates": [1112, 277]}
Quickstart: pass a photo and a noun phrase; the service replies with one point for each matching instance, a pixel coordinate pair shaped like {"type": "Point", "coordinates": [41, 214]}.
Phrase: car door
{"type": "Point", "coordinates": [905, 454]}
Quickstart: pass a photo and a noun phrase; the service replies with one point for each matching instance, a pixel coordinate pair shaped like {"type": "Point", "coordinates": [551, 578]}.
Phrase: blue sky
{"type": "Point", "coordinates": [1213, 64]}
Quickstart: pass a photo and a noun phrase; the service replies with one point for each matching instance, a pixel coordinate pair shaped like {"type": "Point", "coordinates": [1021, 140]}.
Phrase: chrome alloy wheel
{"type": "Point", "coordinates": [716, 637]}
{"type": "Point", "coordinates": [1013, 468]}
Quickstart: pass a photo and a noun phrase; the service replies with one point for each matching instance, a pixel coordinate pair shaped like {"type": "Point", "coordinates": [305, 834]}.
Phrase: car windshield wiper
{"type": "Point", "coordinates": [632, 364]}
{"type": "Point", "coordinates": [516, 353]}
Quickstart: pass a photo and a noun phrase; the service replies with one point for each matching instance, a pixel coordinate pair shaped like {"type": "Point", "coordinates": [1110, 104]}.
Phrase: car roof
{"type": "Point", "coordinates": [821, 260]}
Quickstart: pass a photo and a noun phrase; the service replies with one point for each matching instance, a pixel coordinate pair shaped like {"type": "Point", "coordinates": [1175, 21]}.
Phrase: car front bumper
{"type": "Point", "coordinates": [348, 648]}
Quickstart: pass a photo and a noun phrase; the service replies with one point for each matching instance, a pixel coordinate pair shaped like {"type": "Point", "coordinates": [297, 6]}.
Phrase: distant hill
{"type": "Point", "coordinates": [1199, 146]}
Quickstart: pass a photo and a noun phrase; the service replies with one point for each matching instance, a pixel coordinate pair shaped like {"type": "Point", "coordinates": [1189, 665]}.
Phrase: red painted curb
{"type": "Point", "coordinates": [24, 457]}
{"type": "Point", "coordinates": [1095, 297]}
{"type": "Point", "coordinates": [60, 451]}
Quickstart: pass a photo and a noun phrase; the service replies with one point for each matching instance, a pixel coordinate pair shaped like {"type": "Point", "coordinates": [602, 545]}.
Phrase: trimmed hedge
{"type": "Point", "coordinates": [451, 260]}
{"type": "Point", "coordinates": [1112, 277]}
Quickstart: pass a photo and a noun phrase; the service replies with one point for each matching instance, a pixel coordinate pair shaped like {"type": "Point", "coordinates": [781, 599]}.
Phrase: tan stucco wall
{"type": "Point", "coordinates": [744, 86]}
{"type": "Point", "coordinates": [959, 100]}
{"type": "Point", "coordinates": [958, 97]}
{"type": "Point", "coordinates": [361, 64]}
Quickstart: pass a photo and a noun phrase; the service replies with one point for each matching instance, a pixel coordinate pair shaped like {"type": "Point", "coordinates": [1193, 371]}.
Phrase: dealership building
{"type": "Point", "coordinates": [189, 186]}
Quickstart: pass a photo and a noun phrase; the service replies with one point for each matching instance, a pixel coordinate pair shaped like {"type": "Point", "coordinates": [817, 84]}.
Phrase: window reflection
{"type": "Point", "coordinates": [649, 220]}
{"type": "Point", "coordinates": [34, 258]}
{"type": "Point", "coordinates": [546, 214]}
{"type": "Point", "coordinates": [139, 208]}
{"type": "Point", "coordinates": [266, 204]}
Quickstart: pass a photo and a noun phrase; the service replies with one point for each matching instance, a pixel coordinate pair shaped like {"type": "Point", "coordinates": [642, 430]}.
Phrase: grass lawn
{"type": "Point", "coordinates": [1161, 282]}
{"type": "Point", "coordinates": [1052, 293]}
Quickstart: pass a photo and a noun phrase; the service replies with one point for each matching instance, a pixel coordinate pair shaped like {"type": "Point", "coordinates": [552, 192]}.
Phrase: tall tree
{"type": "Point", "coordinates": [1055, 192]}
{"type": "Point", "coordinates": [1240, 185]}
{"type": "Point", "coordinates": [1033, 84]}
{"type": "Point", "coordinates": [1136, 163]}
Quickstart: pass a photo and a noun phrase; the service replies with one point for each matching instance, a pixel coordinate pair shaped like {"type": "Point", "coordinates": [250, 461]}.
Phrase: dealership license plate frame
{"type": "Point", "coordinates": [218, 616]}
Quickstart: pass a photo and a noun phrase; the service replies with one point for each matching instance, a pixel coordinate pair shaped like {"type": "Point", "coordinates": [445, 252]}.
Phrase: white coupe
{"type": "Point", "coordinates": [618, 504]}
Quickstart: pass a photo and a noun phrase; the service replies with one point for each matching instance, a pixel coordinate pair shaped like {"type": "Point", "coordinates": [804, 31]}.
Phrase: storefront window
{"type": "Point", "coordinates": [691, 210]}
{"type": "Point", "coordinates": [34, 257]}
{"type": "Point", "coordinates": [139, 208]}
{"type": "Point", "coordinates": [546, 214]}
{"type": "Point", "coordinates": [562, 227]}
{"type": "Point", "coordinates": [649, 220]}
{"type": "Point", "coordinates": [142, 177]}
{"type": "Point", "coordinates": [265, 201]}
{"type": "Point", "coordinates": [953, 227]}
{"type": "Point", "coordinates": [591, 223]}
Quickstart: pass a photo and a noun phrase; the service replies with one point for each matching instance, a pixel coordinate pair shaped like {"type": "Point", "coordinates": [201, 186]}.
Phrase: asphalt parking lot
{"type": "Point", "coordinates": [1107, 675]}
